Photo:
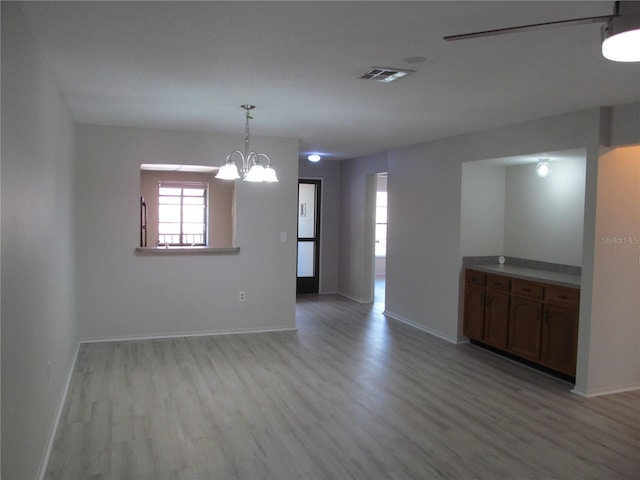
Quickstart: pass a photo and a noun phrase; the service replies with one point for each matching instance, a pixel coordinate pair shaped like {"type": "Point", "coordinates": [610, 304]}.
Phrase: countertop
{"type": "Point", "coordinates": [554, 278]}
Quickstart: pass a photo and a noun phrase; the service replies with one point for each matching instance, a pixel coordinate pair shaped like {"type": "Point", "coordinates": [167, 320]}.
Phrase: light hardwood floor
{"type": "Point", "coordinates": [350, 395]}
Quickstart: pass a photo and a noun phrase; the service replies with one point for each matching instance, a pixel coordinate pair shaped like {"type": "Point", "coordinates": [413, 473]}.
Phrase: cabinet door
{"type": "Point", "coordinates": [560, 339]}
{"type": "Point", "coordinates": [525, 328]}
{"type": "Point", "coordinates": [473, 312]}
{"type": "Point", "coordinates": [496, 317]}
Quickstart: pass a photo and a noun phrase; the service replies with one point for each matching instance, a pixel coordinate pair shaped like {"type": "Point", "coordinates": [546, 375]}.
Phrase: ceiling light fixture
{"type": "Point", "coordinates": [543, 168]}
{"type": "Point", "coordinates": [621, 35]}
{"type": "Point", "coordinates": [314, 157]}
{"type": "Point", "coordinates": [252, 170]}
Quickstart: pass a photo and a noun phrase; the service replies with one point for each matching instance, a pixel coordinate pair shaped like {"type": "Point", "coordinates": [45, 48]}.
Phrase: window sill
{"type": "Point", "coordinates": [171, 251]}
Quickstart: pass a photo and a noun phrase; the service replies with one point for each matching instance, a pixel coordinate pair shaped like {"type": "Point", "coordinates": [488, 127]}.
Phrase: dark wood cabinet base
{"type": "Point", "coordinates": [533, 322]}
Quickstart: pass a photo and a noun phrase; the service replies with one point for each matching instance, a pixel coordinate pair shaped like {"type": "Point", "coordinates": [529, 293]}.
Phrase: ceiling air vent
{"type": "Point", "coordinates": [384, 74]}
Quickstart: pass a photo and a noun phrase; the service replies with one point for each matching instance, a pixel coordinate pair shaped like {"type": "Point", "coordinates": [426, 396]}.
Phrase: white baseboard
{"type": "Point", "coordinates": [206, 333]}
{"type": "Point", "coordinates": [419, 326]}
{"type": "Point", "coordinates": [58, 415]}
{"type": "Point", "coordinates": [605, 391]}
{"type": "Point", "coordinates": [359, 300]}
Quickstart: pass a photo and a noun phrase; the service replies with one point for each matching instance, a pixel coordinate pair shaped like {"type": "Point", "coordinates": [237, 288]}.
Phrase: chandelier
{"type": "Point", "coordinates": [252, 170]}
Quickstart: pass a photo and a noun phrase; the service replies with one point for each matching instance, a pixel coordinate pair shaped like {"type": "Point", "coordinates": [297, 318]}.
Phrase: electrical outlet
{"type": "Point", "coordinates": [242, 296]}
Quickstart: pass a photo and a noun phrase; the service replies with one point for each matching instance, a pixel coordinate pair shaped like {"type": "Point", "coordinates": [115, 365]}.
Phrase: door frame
{"type": "Point", "coordinates": [311, 284]}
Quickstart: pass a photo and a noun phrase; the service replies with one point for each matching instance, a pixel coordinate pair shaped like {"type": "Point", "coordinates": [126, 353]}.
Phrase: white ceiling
{"type": "Point", "coordinates": [190, 65]}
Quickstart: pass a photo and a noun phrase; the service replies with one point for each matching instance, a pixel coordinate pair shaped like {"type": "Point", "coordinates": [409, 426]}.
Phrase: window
{"type": "Point", "coordinates": [182, 213]}
{"type": "Point", "coordinates": [197, 208]}
{"type": "Point", "coordinates": [381, 224]}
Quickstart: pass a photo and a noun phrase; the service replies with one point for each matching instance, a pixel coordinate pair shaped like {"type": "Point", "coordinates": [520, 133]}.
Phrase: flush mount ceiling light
{"type": "Point", "coordinates": [543, 168]}
{"type": "Point", "coordinates": [621, 36]}
{"type": "Point", "coordinates": [252, 170]}
{"type": "Point", "coordinates": [620, 33]}
{"type": "Point", "coordinates": [385, 74]}
{"type": "Point", "coordinates": [314, 157]}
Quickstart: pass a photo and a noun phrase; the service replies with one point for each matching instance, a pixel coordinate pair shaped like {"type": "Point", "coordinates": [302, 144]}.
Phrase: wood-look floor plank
{"type": "Point", "coordinates": [349, 395]}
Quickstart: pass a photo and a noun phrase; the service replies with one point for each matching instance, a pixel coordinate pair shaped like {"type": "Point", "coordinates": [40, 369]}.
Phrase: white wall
{"type": "Point", "coordinates": [614, 334]}
{"type": "Point", "coordinates": [509, 210]}
{"type": "Point", "coordinates": [380, 266]}
{"type": "Point", "coordinates": [123, 295]}
{"type": "Point", "coordinates": [357, 206]}
{"type": "Point", "coordinates": [625, 125]}
{"type": "Point", "coordinates": [423, 259]}
{"type": "Point", "coordinates": [329, 172]}
{"type": "Point", "coordinates": [482, 209]}
{"type": "Point", "coordinates": [423, 238]}
{"type": "Point", "coordinates": [544, 216]}
{"type": "Point", "coordinates": [38, 287]}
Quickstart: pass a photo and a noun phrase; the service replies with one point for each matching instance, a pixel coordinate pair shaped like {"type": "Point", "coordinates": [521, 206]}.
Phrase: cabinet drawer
{"type": "Point", "coordinates": [474, 278]}
{"type": "Point", "coordinates": [527, 289]}
{"type": "Point", "coordinates": [498, 282]}
{"type": "Point", "coordinates": [565, 297]}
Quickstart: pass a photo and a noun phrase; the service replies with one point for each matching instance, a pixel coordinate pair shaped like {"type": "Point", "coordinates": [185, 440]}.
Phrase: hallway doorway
{"type": "Point", "coordinates": [380, 238]}
{"type": "Point", "coordinates": [308, 261]}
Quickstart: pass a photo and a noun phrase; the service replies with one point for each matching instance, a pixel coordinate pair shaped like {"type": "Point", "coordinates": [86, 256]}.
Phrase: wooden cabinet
{"type": "Point", "coordinates": [560, 329]}
{"type": "Point", "coordinates": [527, 289]}
{"type": "Point", "coordinates": [525, 319]}
{"type": "Point", "coordinates": [525, 327]}
{"type": "Point", "coordinates": [532, 320]}
{"type": "Point", "coordinates": [474, 312]}
{"type": "Point", "coordinates": [496, 311]}
{"type": "Point", "coordinates": [486, 300]}
{"type": "Point", "coordinates": [473, 321]}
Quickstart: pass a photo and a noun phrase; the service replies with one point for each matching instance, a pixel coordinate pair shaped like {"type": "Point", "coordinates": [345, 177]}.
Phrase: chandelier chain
{"type": "Point", "coordinates": [248, 117]}
{"type": "Point", "coordinates": [246, 135]}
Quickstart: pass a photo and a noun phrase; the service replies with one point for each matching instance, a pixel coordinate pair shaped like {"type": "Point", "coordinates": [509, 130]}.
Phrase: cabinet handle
{"type": "Point", "coordinates": [562, 297]}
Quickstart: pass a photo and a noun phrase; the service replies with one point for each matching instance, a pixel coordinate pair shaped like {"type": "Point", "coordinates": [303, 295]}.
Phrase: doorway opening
{"type": "Point", "coordinates": [308, 262]}
{"type": "Point", "coordinates": [380, 238]}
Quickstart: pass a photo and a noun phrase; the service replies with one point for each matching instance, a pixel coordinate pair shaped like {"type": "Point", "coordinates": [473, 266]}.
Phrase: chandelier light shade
{"type": "Point", "coordinates": [228, 171]}
{"type": "Point", "coordinates": [251, 169]}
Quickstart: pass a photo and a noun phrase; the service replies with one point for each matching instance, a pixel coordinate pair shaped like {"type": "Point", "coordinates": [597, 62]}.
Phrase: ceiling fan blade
{"type": "Point", "coordinates": [534, 26]}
